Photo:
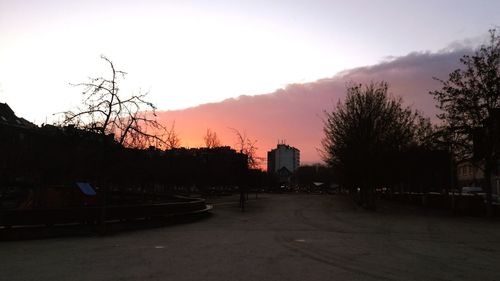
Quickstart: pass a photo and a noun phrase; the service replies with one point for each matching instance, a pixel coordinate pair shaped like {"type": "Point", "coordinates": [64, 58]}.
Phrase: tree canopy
{"type": "Point", "coordinates": [470, 98]}
{"type": "Point", "coordinates": [469, 101]}
{"type": "Point", "coordinates": [363, 133]}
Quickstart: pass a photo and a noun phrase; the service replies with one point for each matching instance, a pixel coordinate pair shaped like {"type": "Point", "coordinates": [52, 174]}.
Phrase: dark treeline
{"type": "Point", "coordinates": [313, 178]}
{"type": "Point", "coordinates": [50, 155]}
{"type": "Point", "coordinates": [115, 142]}
{"type": "Point", "coordinates": [374, 143]}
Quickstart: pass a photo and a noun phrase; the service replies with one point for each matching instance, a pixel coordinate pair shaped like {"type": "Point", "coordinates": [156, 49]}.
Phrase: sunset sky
{"type": "Point", "coordinates": [192, 52]}
{"type": "Point", "coordinates": [187, 53]}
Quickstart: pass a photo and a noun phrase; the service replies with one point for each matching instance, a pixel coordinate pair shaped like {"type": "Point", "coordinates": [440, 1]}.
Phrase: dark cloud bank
{"type": "Point", "coordinates": [295, 113]}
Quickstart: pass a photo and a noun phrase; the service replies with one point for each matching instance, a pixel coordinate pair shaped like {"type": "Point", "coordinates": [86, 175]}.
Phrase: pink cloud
{"type": "Point", "coordinates": [295, 113]}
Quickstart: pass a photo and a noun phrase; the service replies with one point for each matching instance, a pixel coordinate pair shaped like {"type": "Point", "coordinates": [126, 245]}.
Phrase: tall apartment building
{"type": "Point", "coordinates": [283, 156]}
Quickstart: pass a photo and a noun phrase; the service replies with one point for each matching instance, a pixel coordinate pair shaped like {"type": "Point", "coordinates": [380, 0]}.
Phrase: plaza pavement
{"type": "Point", "coordinates": [279, 237]}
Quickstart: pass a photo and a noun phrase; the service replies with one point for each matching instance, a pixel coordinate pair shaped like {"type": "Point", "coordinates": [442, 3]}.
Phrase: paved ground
{"type": "Point", "coordinates": [280, 237]}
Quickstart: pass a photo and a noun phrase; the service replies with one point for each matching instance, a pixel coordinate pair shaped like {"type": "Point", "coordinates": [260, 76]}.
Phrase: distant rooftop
{"type": "Point", "coordinates": [285, 146]}
{"type": "Point", "coordinates": [8, 117]}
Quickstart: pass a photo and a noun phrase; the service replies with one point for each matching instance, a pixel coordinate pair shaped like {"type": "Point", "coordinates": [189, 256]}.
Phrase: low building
{"type": "Point", "coordinates": [471, 173]}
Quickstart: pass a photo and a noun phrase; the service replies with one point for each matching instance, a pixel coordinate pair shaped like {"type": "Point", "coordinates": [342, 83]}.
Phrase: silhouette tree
{"type": "Point", "coordinates": [425, 135]}
{"type": "Point", "coordinates": [247, 146]}
{"type": "Point", "coordinates": [211, 139]}
{"type": "Point", "coordinates": [171, 139]}
{"type": "Point", "coordinates": [470, 105]}
{"type": "Point", "coordinates": [363, 135]}
{"type": "Point", "coordinates": [131, 119]}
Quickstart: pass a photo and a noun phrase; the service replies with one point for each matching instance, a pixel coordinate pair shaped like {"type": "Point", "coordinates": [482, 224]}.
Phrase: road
{"type": "Point", "coordinates": [279, 237]}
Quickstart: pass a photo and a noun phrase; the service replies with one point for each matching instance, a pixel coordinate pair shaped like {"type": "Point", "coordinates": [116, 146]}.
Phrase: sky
{"type": "Point", "coordinates": [187, 53]}
{"type": "Point", "coordinates": [295, 114]}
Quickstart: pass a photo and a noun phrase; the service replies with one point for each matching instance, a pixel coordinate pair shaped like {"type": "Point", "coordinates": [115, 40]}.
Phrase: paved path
{"type": "Point", "coordinates": [280, 237]}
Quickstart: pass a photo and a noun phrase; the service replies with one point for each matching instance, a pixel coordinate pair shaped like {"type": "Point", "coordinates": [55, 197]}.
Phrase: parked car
{"type": "Point", "coordinates": [471, 190]}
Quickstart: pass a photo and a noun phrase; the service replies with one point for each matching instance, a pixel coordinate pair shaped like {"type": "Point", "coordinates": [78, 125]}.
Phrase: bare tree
{"type": "Point", "coordinates": [247, 147]}
{"type": "Point", "coordinates": [211, 139]}
{"type": "Point", "coordinates": [171, 138]}
{"type": "Point", "coordinates": [104, 110]}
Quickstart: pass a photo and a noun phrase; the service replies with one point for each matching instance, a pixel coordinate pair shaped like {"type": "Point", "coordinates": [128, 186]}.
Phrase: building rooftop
{"type": "Point", "coordinates": [8, 117]}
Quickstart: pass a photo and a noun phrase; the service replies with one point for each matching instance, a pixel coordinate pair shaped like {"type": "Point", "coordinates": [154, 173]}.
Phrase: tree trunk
{"type": "Point", "coordinates": [487, 186]}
